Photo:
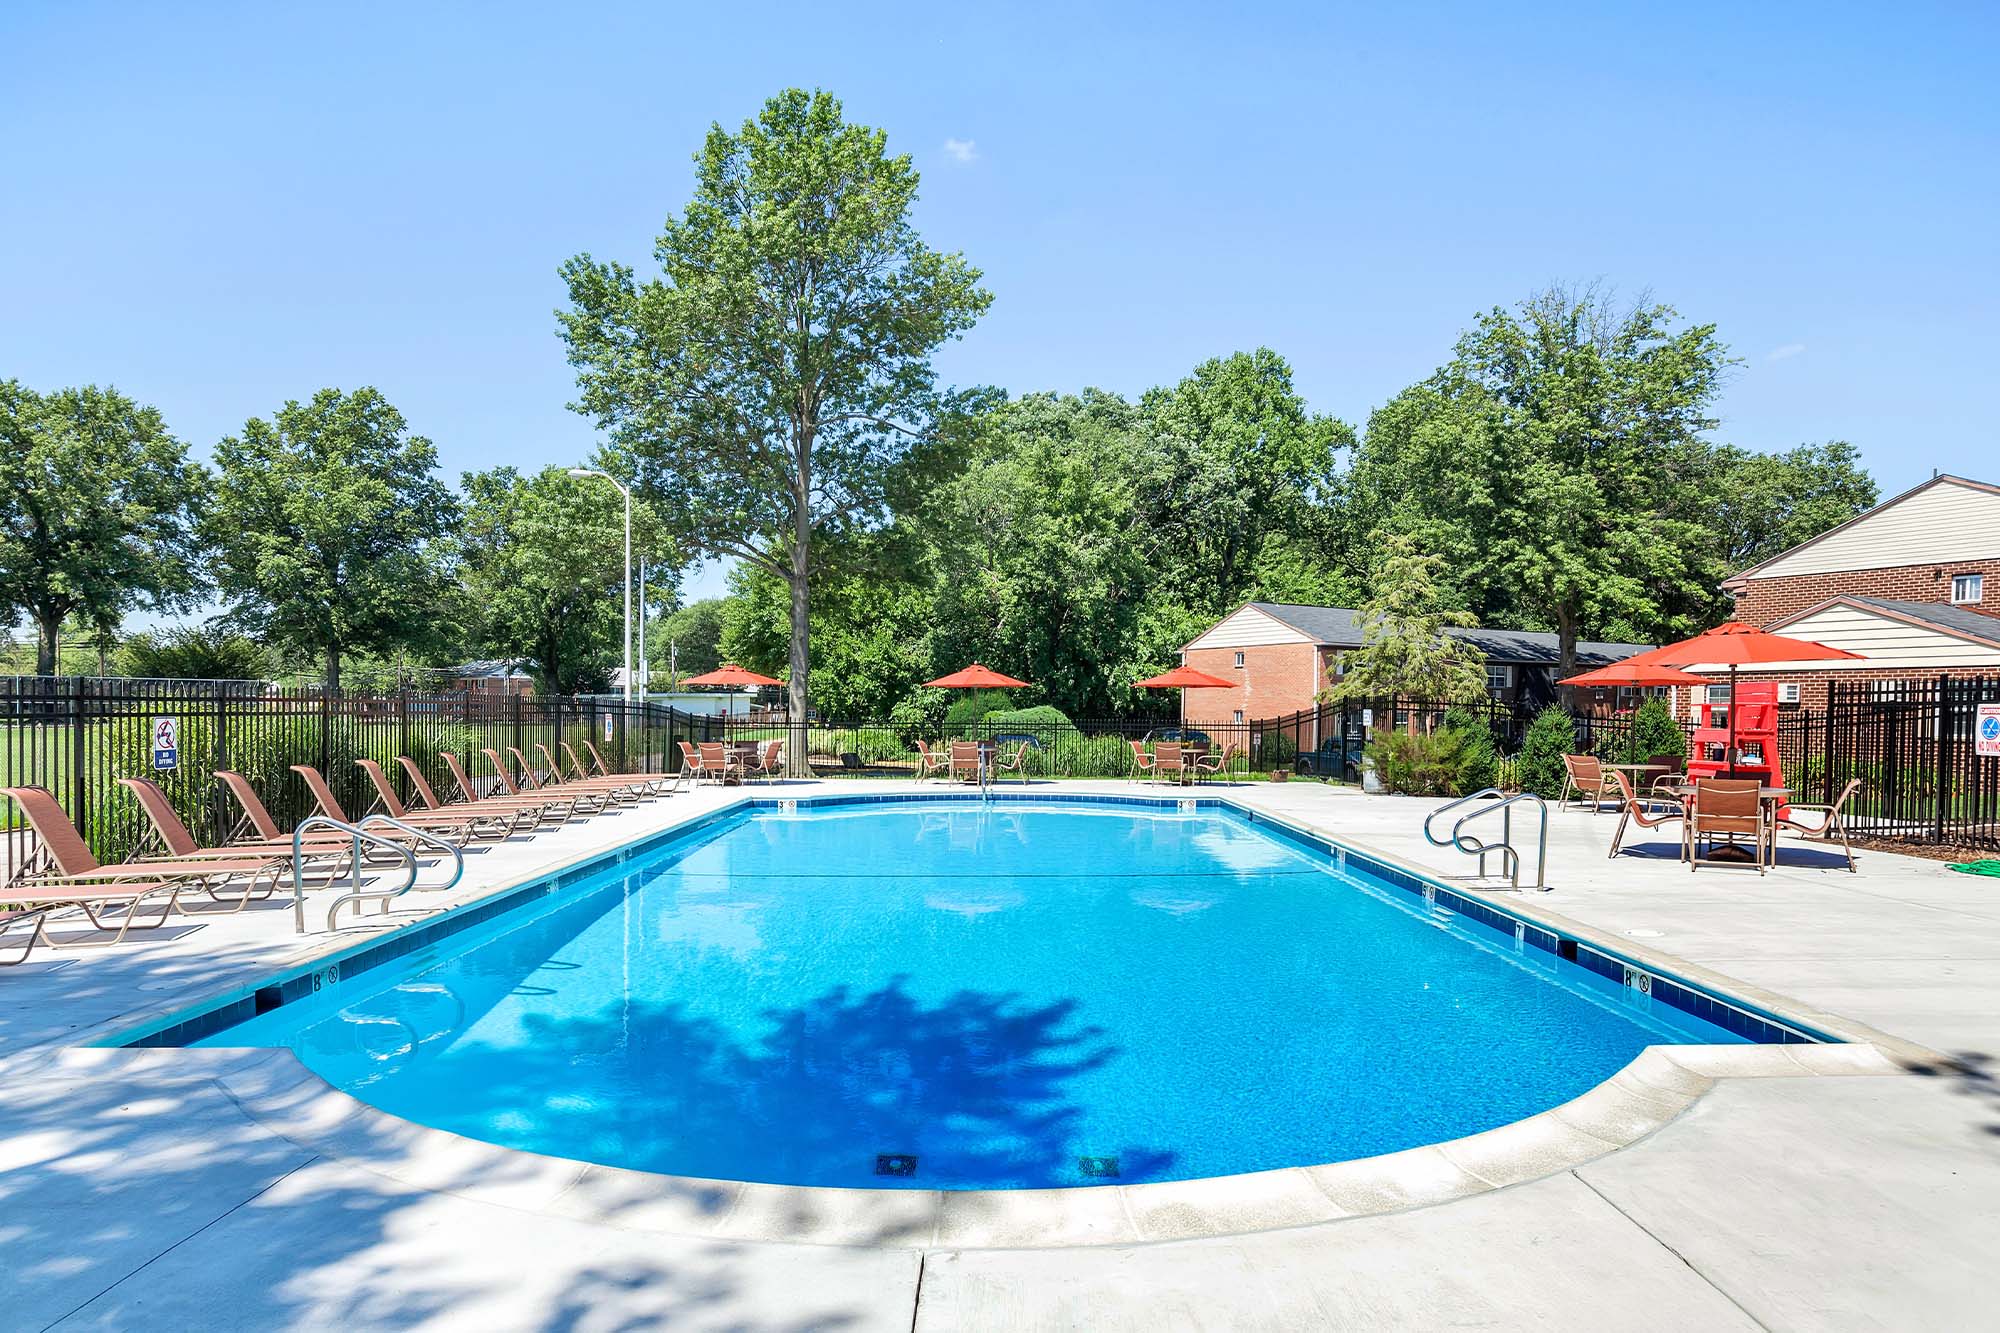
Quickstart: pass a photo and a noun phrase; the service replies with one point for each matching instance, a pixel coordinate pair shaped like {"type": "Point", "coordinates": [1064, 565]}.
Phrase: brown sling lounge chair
{"type": "Point", "coordinates": [449, 825]}
{"type": "Point", "coordinates": [172, 839]}
{"type": "Point", "coordinates": [659, 784]}
{"type": "Point", "coordinates": [497, 823]}
{"type": "Point", "coordinates": [1648, 812]}
{"type": "Point", "coordinates": [546, 806]}
{"type": "Point", "coordinates": [600, 797]}
{"type": "Point", "coordinates": [65, 860]}
{"type": "Point", "coordinates": [626, 786]}
{"type": "Point", "coordinates": [1831, 821]}
{"type": "Point", "coordinates": [1143, 763]}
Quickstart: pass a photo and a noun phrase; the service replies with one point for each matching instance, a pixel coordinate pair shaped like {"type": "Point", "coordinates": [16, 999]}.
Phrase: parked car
{"type": "Point", "coordinates": [1183, 735]}
{"type": "Point", "coordinates": [1336, 757]}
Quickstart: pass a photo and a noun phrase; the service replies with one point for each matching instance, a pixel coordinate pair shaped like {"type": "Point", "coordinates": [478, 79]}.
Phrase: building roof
{"type": "Point", "coordinates": [492, 668]}
{"type": "Point", "coordinates": [1341, 627]}
{"type": "Point", "coordinates": [1737, 579]}
{"type": "Point", "coordinates": [1956, 620]}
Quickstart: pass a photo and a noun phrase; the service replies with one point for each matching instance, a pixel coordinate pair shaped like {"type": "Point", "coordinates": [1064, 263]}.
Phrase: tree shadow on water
{"type": "Point", "coordinates": [976, 1087]}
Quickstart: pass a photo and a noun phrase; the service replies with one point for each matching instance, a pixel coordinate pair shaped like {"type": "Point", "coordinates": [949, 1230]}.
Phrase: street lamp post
{"type": "Point", "coordinates": [594, 472]}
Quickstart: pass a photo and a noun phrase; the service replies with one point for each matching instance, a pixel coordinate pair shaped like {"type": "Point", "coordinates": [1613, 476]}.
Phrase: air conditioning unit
{"type": "Point", "coordinates": [1788, 691]}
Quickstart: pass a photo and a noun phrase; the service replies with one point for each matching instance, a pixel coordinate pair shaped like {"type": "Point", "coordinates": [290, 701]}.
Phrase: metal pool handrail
{"type": "Point", "coordinates": [1510, 856]}
{"type": "Point", "coordinates": [357, 834]}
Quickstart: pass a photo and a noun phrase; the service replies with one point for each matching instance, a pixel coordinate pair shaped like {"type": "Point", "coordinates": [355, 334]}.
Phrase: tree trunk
{"type": "Point", "coordinates": [333, 669]}
{"type": "Point", "coordinates": [799, 697]}
{"type": "Point", "coordinates": [1565, 643]}
{"type": "Point", "coordinates": [50, 627]}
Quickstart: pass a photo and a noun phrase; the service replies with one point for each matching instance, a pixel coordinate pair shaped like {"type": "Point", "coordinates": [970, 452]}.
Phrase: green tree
{"type": "Point", "coordinates": [327, 524]}
{"type": "Point", "coordinates": [195, 653]}
{"type": "Point", "coordinates": [1767, 503]}
{"type": "Point", "coordinates": [1558, 461]}
{"type": "Point", "coordinates": [98, 507]}
{"type": "Point", "coordinates": [1404, 648]}
{"type": "Point", "coordinates": [774, 387]}
{"type": "Point", "coordinates": [691, 636]}
{"type": "Point", "coordinates": [543, 559]}
{"type": "Point", "coordinates": [1539, 767]}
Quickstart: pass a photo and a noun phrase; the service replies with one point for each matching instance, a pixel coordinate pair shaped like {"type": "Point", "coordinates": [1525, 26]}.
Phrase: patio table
{"type": "Point", "coordinates": [1770, 796]}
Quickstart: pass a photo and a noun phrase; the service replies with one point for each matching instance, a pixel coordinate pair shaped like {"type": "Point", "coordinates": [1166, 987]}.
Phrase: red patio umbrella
{"type": "Point", "coordinates": [730, 674]}
{"type": "Point", "coordinates": [1734, 644]}
{"type": "Point", "coordinates": [975, 677]}
{"type": "Point", "coordinates": [1637, 674]}
{"type": "Point", "coordinates": [1184, 678]}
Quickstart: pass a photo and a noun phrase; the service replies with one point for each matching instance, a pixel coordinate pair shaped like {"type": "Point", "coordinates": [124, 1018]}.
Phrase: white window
{"type": "Point", "coordinates": [1718, 694]}
{"type": "Point", "coordinates": [1967, 589]}
{"type": "Point", "coordinates": [1888, 689]}
{"type": "Point", "coordinates": [1239, 660]}
{"type": "Point", "coordinates": [1499, 677]}
{"type": "Point", "coordinates": [1239, 715]}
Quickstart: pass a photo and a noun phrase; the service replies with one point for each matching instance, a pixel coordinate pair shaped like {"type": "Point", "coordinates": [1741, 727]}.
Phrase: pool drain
{"type": "Point", "coordinates": [1097, 1166]}
{"type": "Point", "coordinates": [895, 1164]}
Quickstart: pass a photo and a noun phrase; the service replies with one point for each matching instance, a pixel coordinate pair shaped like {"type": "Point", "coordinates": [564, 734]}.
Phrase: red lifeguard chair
{"type": "Point", "coordinates": [1755, 706]}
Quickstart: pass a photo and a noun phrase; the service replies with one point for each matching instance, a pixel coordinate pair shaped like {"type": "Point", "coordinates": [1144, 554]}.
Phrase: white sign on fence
{"type": "Point", "coordinates": [607, 728]}
{"type": "Point", "coordinates": [1986, 731]}
{"type": "Point", "coordinates": [166, 743]}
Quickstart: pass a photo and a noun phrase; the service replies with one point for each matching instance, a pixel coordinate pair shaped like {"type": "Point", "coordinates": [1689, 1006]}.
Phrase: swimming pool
{"type": "Point", "coordinates": [950, 994]}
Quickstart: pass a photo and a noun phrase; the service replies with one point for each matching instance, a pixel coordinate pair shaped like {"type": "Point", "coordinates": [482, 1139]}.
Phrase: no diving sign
{"type": "Point", "coordinates": [166, 743]}
{"type": "Point", "coordinates": [1986, 731]}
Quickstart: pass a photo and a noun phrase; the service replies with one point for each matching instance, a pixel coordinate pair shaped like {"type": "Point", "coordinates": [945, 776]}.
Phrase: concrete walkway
{"type": "Point", "coordinates": [138, 1190]}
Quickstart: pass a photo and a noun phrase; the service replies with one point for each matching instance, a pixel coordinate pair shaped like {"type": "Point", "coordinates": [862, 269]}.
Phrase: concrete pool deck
{"type": "Point", "coordinates": [150, 1187]}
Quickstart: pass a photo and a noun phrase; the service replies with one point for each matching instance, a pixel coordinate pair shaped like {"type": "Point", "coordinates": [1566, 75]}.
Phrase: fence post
{"type": "Point", "coordinates": [517, 719]}
{"type": "Point", "coordinates": [218, 805]}
{"type": "Point", "coordinates": [1943, 785]}
{"type": "Point", "coordinates": [79, 782]}
{"type": "Point", "coordinates": [402, 734]}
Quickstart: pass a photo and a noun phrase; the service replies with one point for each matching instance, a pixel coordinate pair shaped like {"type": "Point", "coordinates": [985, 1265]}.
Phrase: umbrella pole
{"type": "Point", "coordinates": [1732, 720]}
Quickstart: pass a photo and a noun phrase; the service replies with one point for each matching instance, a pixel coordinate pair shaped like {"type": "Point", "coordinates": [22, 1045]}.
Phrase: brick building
{"type": "Point", "coordinates": [1913, 585]}
{"type": "Point", "coordinates": [1281, 656]}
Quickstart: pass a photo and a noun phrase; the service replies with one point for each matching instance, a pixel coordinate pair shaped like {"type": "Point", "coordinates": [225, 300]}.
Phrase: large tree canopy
{"type": "Point", "coordinates": [327, 524]}
{"type": "Point", "coordinates": [543, 559]}
{"type": "Point", "coordinates": [771, 386]}
{"type": "Point", "coordinates": [97, 511]}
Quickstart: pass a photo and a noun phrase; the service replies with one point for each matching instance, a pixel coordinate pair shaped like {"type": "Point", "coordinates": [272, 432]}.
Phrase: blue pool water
{"type": "Point", "coordinates": [1013, 995]}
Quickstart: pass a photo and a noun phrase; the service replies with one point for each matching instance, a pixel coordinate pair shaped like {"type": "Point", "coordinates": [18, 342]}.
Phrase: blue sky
{"type": "Point", "coordinates": [217, 208]}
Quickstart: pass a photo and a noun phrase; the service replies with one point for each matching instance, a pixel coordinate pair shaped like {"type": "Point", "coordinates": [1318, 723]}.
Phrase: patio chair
{"type": "Point", "coordinates": [1016, 762]}
{"type": "Point", "coordinates": [597, 794]}
{"type": "Point", "coordinates": [449, 826]}
{"type": "Point", "coordinates": [1673, 776]}
{"type": "Point", "coordinates": [692, 769]}
{"type": "Point", "coordinates": [965, 761]}
{"type": "Point", "coordinates": [65, 871]}
{"type": "Point", "coordinates": [1214, 762]}
{"type": "Point", "coordinates": [1583, 777]}
{"type": "Point", "coordinates": [1144, 765]}
{"type": "Point", "coordinates": [763, 761]}
{"type": "Point", "coordinates": [1830, 824]}
{"type": "Point", "coordinates": [1169, 760]}
{"type": "Point", "coordinates": [1646, 812]}
{"type": "Point", "coordinates": [1724, 811]}
{"type": "Point", "coordinates": [720, 764]}
{"type": "Point", "coordinates": [930, 763]}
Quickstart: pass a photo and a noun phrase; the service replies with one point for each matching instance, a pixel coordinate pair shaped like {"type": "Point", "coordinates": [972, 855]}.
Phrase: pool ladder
{"type": "Point", "coordinates": [1473, 845]}
{"type": "Point", "coordinates": [358, 835]}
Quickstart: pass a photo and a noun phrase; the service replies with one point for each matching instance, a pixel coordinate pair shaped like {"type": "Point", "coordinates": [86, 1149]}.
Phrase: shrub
{"type": "Point", "coordinates": [192, 653]}
{"type": "Point", "coordinates": [919, 716]}
{"type": "Point", "coordinates": [1654, 732]}
{"type": "Point", "coordinates": [1043, 722]}
{"type": "Point", "coordinates": [970, 708]}
{"type": "Point", "coordinates": [1479, 760]}
{"type": "Point", "coordinates": [1419, 765]}
{"type": "Point", "coordinates": [1539, 766]}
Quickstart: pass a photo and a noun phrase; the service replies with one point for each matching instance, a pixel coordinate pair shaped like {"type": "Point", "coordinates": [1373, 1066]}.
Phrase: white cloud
{"type": "Point", "coordinates": [961, 151]}
{"type": "Point", "coordinates": [1785, 353]}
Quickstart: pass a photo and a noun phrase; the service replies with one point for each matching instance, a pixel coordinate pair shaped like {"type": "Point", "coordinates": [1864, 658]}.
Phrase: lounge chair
{"type": "Point", "coordinates": [449, 825]}
{"type": "Point", "coordinates": [1646, 812]}
{"type": "Point", "coordinates": [65, 861]}
{"type": "Point", "coordinates": [660, 784]}
{"type": "Point", "coordinates": [1830, 824]}
{"type": "Point", "coordinates": [1584, 778]}
{"type": "Point", "coordinates": [1724, 810]}
{"type": "Point", "coordinates": [930, 763]}
{"type": "Point", "coordinates": [965, 761]}
{"type": "Point", "coordinates": [596, 798]}
{"type": "Point", "coordinates": [1144, 765]}
{"type": "Point", "coordinates": [30, 900]}
{"type": "Point", "coordinates": [548, 805]}
{"type": "Point", "coordinates": [623, 786]}
{"type": "Point", "coordinates": [493, 821]}
{"type": "Point", "coordinates": [174, 841]}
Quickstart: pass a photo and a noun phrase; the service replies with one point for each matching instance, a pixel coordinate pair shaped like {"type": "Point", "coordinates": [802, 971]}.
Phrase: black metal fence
{"type": "Point", "coordinates": [1915, 745]}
